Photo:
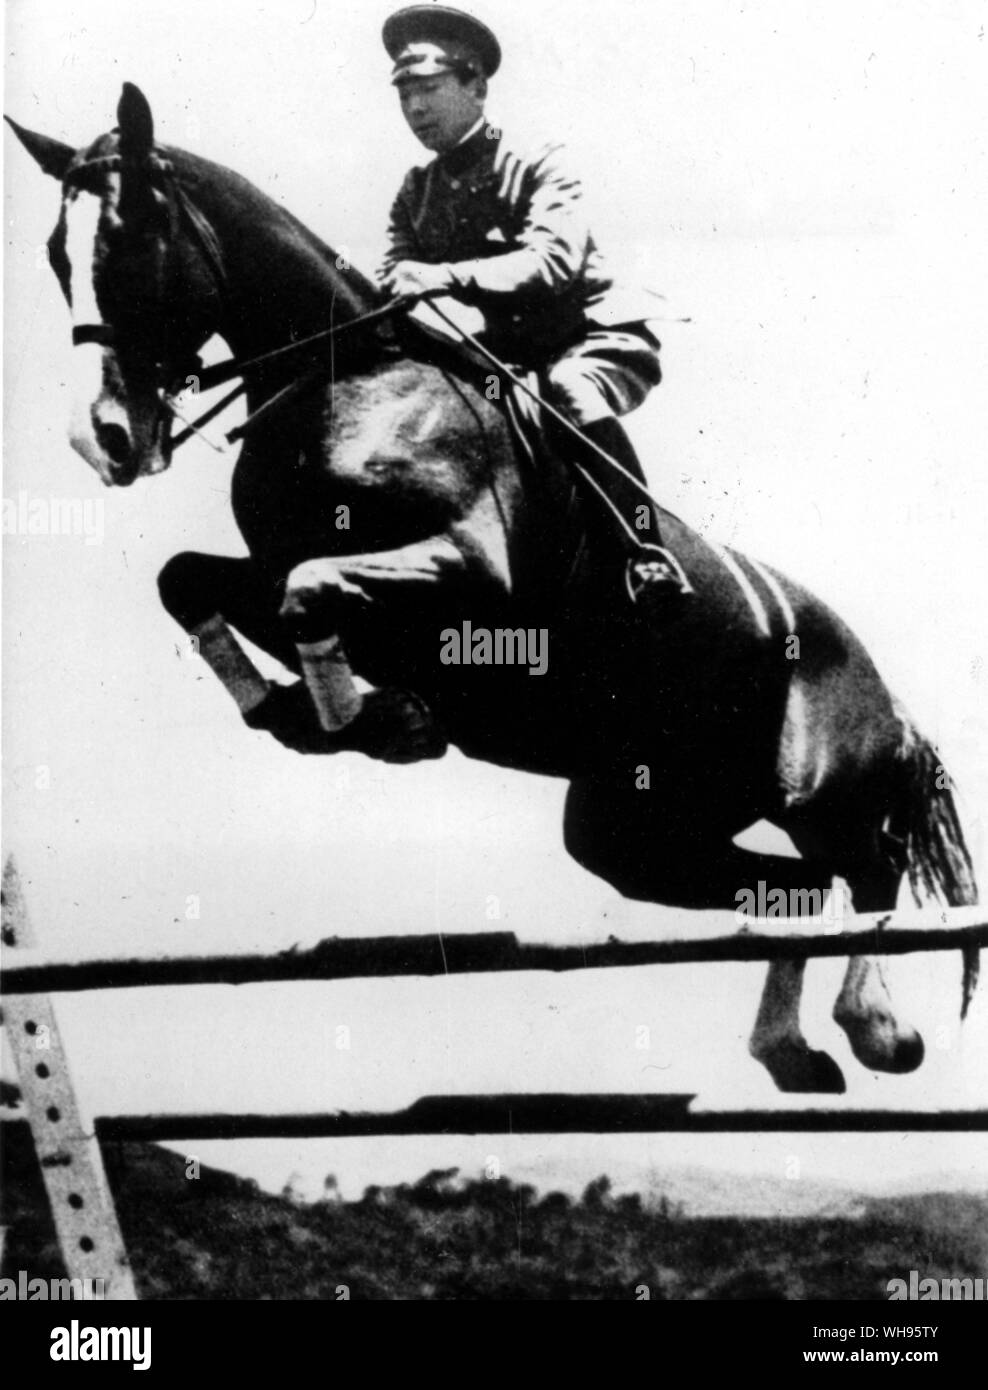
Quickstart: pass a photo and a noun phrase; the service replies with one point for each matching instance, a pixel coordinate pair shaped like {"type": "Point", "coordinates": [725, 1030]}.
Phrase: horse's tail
{"type": "Point", "coordinates": [937, 861]}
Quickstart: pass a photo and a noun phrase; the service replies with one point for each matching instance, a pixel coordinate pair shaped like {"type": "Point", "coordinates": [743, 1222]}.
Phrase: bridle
{"type": "Point", "coordinates": [161, 174]}
{"type": "Point", "coordinates": [173, 376]}
{"type": "Point", "coordinates": [172, 373]}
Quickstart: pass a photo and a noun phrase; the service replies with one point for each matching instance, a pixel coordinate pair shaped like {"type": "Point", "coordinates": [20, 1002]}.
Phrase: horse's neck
{"type": "Point", "coordinates": [281, 281]}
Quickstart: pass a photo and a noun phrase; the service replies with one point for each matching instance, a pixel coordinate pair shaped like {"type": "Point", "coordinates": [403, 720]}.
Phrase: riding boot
{"type": "Point", "coordinates": [651, 566]}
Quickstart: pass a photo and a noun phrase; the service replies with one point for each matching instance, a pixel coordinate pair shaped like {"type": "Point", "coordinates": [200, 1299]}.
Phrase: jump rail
{"type": "Point", "coordinates": [535, 1114]}
{"type": "Point", "coordinates": [33, 970]}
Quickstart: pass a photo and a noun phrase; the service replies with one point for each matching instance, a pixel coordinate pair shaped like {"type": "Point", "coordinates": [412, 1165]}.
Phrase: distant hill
{"type": "Point", "coordinates": [701, 1191]}
{"type": "Point", "coordinates": [220, 1237]}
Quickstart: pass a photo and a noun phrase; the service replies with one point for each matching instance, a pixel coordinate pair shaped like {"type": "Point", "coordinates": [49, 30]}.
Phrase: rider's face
{"type": "Point", "coordinates": [441, 109]}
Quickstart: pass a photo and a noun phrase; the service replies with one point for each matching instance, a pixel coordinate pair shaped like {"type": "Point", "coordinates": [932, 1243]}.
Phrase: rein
{"type": "Point", "coordinates": [222, 372]}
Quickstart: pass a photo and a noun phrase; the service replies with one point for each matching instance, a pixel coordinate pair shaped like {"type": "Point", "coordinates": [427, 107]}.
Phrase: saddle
{"type": "Point", "coordinates": [532, 431]}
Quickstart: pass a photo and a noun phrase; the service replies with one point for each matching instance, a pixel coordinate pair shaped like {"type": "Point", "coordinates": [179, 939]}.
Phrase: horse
{"type": "Point", "coordinates": [391, 504]}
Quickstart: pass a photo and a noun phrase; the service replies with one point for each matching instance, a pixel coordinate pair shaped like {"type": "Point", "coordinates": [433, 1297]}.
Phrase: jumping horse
{"type": "Point", "coordinates": [676, 728]}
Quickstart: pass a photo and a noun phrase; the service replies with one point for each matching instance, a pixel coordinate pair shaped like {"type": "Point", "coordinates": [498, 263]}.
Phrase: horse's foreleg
{"type": "Point", "coordinates": [195, 588]}
{"type": "Point", "coordinates": [326, 596]}
{"type": "Point", "coordinates": [209, 594]}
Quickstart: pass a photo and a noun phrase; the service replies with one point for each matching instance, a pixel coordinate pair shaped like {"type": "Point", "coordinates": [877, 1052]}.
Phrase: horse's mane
{"type": "Point", "coordinates": [214, 188]}
{"type": "Point", "coordinates": [205, 174]}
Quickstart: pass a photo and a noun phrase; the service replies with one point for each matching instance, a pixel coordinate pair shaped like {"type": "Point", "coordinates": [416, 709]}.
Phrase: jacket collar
{"type": "Point", "coordinates": [473, 151]}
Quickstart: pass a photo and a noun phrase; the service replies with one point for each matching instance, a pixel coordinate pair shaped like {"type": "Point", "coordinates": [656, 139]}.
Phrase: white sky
{"type": "Point", "coordinates": [809, 184]}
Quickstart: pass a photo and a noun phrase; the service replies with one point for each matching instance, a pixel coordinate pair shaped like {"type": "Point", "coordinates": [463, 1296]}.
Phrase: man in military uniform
{"type": "Point", "coordinates": [505, 231]}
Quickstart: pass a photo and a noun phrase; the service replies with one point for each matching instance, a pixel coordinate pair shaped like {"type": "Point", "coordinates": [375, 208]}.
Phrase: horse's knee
{"type": "Point", "coordinates": [182, 589]}
{"type": "Point", "coordinates": [319, 595]}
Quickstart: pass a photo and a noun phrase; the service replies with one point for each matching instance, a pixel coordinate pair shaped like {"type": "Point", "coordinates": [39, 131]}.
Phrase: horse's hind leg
{"type": "Point", "coordinates": [864, 1009]}
{"type": "Point", "coordinates": [840, 778]}
{"type": "Point", "coordinates": [654, 854]}
{"type": "Point", "coordinates": [777, 1039]}
{"type": "Point", "coordinates": [864, 1006]}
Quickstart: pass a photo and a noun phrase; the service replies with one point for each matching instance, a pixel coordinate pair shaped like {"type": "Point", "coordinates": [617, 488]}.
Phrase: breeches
{"type": "Point", "coordinates": [609, 372]}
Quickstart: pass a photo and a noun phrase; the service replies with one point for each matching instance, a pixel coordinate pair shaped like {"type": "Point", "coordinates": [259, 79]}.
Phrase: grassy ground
{"type": "Point", "coordinates": [220, 1237]}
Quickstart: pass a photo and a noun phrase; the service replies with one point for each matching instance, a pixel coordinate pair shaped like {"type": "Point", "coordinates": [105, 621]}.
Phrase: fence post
{"type": "Point", "coordinates": [67, 1148]}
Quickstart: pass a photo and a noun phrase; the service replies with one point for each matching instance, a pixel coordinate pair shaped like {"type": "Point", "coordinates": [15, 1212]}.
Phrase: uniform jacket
{"type": "Point", "coordinates": [512, 227]}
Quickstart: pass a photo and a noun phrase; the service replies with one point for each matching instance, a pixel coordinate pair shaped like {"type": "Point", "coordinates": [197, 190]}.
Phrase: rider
{"type": "Point", "coordinates": [504, 230]}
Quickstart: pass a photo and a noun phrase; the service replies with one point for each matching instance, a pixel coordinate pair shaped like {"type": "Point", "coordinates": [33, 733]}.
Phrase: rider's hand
{"type": "Point", "coordinates": [417, 277]}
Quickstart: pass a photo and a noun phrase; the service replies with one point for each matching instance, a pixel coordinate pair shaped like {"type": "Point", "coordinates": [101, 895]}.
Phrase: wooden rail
{"type": "Point", "coordinates": [533, 1114]}
{"type": "Point", "coordinates": [33, 970]}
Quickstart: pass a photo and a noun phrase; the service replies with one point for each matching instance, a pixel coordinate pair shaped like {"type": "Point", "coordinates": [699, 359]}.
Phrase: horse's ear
{"type": "Point", "coordinates": [136, 123]}
{"type": "Point", "coordinates": [52, 155]}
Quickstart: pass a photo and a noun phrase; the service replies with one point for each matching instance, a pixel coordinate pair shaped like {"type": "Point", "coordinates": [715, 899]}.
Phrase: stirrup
{"type": "Point", "coordinates": [657, 570]}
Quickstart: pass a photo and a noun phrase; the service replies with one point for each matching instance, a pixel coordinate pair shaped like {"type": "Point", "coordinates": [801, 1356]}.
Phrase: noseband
{"type": "Point", "coordinates": [100, 333]}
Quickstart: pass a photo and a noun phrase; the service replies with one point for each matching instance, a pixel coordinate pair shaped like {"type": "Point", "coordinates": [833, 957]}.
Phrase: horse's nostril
{"type": "Point", "coordinates": [114, 441]}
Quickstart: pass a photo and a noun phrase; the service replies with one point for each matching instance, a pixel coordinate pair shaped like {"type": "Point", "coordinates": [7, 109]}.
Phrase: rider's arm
{"type": "Point", "coordinates": [402, 241]}
{"type": "Point", "coordinates": [552, 247]}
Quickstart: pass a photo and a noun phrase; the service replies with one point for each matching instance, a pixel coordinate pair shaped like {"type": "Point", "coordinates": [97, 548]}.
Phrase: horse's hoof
{"type": "Point", "coordinates": [880, 1048]}
{"type": "Point", "coordinates": [288, 715]}
{"type": "Point", "coordinates": [397, 727]}
{"type": "Point", "coordinates": [909, 1053]}
{"type": "Point", "coordinates": [798, 1069]}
